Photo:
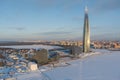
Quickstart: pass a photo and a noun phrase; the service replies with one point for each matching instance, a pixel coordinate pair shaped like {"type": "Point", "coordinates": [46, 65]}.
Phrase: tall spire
{"type": "Point", "coordinates": [86, 33]}
{"type": "Point", "coordinates": [86, 9]}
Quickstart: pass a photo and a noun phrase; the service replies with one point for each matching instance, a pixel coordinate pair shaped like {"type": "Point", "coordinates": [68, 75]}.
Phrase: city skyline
{"type": "Point", "coordinates": [58, 19]}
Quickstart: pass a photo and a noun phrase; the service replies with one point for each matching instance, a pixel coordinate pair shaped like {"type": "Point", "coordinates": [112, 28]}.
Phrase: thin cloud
{"type": "Point", "coordinates": [17, 28]}
{"type": "Point", "coordinates": [106, 5]}
{"type": "Point", "coordinates": [77, 18]}
{"type": "Point", "coordinates": [65, 4]}
{"type": "Point", "coordinates": [54, 33]}
{"type": "Point", "coordinates": [20, 28]}
{"type": "Point", "coordinates": [106, 36]}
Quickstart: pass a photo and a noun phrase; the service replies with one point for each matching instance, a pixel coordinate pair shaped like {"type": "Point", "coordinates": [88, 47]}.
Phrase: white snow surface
{"type": "Point", "coordinates": [48, 47]}
{"type": "Point", "coordinates": [97, 67]}
{"type": "Point", "coordinates": [105, 66]}
{"type": "Point", "coordinates": [30, 76]}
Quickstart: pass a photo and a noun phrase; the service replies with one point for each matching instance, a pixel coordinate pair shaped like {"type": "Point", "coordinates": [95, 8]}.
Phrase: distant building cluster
{"type": "Point", "coordinates": [67, 43]}
{"type": "Point", "coordinates": [105, 44]}
{"type": "Point", "coordinates": [93, 44]}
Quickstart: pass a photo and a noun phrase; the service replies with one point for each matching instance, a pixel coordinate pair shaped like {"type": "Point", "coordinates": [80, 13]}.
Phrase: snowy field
{"type": "Point", "coordinates": [105, 66]}
{"type": "Point", "coordinates": [32, 47]}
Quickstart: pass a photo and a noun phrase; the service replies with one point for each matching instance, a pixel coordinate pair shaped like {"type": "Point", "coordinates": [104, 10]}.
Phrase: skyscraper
{"type": "Point", "coordinates": [86, 33]}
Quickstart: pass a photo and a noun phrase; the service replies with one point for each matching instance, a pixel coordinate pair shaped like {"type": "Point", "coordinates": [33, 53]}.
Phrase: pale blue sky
{"type": "Point", "coordinates": [58, 19]}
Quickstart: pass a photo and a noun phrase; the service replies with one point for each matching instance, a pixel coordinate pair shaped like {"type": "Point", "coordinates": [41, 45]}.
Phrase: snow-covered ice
{"type": "Point", "coordinates": [30, 76]}
{"type": "Point", "coordinates": [32, 47]}
{"type": "Point", "coordinates": [96, 67]}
